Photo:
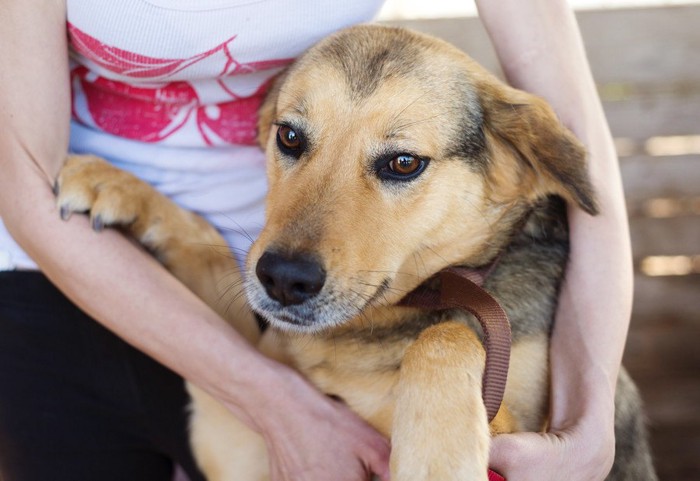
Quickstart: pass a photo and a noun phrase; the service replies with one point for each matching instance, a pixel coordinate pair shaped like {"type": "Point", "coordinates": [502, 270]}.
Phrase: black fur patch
{"type": "Point", "coordinates": [366, 61]}
{"type": "Point", "coordinates": [469, 143]}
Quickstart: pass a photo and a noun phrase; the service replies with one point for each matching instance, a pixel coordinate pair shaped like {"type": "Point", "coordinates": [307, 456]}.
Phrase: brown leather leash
{"type": "Point", "coordinates": [460, 288]}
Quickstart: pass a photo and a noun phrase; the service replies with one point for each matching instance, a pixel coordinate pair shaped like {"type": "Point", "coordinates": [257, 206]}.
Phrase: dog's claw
{"type": "Point", "coordinates": [65, 212]}
{"type": "Point", "coordinates": [98, 224]}
{"type": "Point", "coordinates": [56, 188]}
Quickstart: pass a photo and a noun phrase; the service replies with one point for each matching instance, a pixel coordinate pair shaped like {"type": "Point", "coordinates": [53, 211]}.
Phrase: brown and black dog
{"type": "Point", "coordinates": [391, 155]}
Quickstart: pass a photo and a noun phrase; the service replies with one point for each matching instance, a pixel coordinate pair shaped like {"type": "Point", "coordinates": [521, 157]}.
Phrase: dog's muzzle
{"type": "Point", "coordinates": [294, 292]}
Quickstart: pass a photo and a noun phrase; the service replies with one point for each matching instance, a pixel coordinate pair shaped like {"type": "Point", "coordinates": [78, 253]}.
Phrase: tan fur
{"type": "Point", "coordinates": [182, 241]}
{"type": "Point", "coordinates": [439, 398]}
{"type": "Point", "coordinates": [376, 241]}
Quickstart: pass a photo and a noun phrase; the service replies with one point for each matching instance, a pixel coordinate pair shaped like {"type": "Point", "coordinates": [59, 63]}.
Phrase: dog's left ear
{"type": "Point", "coordinates": [527, 125]}
{"type": "Point", "coordinates": [268, 109]}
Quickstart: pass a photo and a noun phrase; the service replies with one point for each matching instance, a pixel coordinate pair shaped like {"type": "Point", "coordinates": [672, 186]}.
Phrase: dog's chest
{"type": "Point", "coordinates": [362, 374]}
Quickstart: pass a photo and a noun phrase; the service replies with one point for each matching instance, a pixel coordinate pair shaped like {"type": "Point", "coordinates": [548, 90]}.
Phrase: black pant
{"type": "Point", "coordinates": [76, 402]}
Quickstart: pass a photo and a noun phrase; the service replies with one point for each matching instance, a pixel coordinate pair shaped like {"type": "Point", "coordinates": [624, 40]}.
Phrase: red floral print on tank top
{"type": "Point", "coordinates": [152, 114]}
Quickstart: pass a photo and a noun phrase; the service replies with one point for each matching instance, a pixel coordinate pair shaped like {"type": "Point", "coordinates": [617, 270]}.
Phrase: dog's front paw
{"type": "Point", "coordinates": [88, 184]}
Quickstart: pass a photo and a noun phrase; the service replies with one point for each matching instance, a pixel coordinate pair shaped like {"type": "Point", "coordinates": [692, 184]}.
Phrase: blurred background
{"type": "Point", "coordinates": [645, 56]}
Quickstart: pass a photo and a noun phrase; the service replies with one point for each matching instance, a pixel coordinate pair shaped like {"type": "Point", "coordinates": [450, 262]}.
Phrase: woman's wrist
{"type": "Point", "coordinates": [581, 398]}
{"type": "Point", "coordinates": [259, 390]}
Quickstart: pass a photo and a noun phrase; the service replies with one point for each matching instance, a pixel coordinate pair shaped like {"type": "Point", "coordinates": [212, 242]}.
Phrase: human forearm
{"type": "Point", "coordinates": [541, 51]}
{"type": "Point", "coordinates": [145, 305]}
{"type": "Point", "coordinates": [34, 114]}
{"type": "Point", "coordinates": [128, 292]}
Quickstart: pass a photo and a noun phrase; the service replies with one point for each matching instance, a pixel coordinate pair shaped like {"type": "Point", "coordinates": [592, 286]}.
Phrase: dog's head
{"type": "Point", "coordinates": [392, 155]}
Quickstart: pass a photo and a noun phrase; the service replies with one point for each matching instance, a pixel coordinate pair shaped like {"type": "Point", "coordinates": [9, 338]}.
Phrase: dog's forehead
{"type": "Point", "coordinates": [387, 81]}
{"type": "Point", "coordinates": [368, 57]}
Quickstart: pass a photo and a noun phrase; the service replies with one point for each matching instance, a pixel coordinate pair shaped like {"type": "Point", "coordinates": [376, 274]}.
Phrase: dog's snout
{"type": "Point", "coordinates": [290, 280]}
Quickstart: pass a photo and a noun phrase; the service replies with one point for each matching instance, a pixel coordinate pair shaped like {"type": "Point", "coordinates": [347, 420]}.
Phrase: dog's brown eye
{"type": "Point", "coordinates": [289, 140]}
{"type": "Point", "coordinates": [393, 167]}
{"type": "Point", "coordinates": [405, 165]}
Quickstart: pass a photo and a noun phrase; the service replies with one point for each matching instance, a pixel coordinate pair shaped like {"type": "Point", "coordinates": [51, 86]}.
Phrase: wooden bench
{"type": "Point", "coordinates": [647, 65]}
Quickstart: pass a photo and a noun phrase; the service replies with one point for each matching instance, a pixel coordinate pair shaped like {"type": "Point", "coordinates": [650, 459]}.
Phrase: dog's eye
{"type": "Point", "coordinates": [401, 167]}
{"type": "Point", "coordinates": [405, 165]}
{"type": "Point", "coordinates": [289, 141]}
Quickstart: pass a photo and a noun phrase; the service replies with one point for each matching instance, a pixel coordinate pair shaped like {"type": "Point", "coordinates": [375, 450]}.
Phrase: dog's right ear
{"type": "Point", "coordinates": [528, 127]}
{"type": "Point", "coordinates": [268, 110]}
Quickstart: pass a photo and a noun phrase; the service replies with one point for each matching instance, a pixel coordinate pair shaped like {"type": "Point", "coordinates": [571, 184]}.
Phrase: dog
{"type": "Point", "coordinates": [391, 156]}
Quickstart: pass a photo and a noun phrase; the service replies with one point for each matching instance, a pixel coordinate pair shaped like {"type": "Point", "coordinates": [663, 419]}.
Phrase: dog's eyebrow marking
{"type": "Point", "coordinates": [367, 61]}
{"type": "Point", "coordinates": [300, 107]}
{"type": "Point", "coordinates": [394, 127]}
{"type": "Point", "coordinates": [403, 126]}
{"type": "Point", "coordinates": [469, 141]}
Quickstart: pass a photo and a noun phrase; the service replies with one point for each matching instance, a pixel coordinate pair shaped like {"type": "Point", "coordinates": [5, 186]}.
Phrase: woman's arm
{"type": "Point", "coordinates": [128, 292]}
{"type": "Point", "coordinates": [540, 49]}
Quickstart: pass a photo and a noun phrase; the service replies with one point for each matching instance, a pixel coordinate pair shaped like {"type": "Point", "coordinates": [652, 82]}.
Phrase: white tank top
{"type": "Point", "coordinates": [169, 89]}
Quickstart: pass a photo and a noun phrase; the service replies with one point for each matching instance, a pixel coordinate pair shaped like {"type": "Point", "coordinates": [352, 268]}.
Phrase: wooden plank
{"type": "Point", "coordinates": [643, 116]}
{"type": "Point", "coordinates": [467, 34]}
{"type": "Point", "coordinates": [645, 45]}
{"type": "Point", "coordinates": [646, 177]}
{"type": "Point", "coordinates": [674, 236]}
{"type": "Point", "coordinates": [664, 345]}
{"type": "Point", "coordinates": [675, 449]}
{"type": "Point", "coordinates": [673, 299]}
{"type": "Point", "coordinates": [669, 399]}
{"type": "Point", "coordinates": [663, 359]}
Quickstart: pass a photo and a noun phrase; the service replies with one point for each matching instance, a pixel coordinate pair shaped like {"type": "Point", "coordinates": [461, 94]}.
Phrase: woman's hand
{"type": "Point", "coordinates": [311, 437]}
{"type": "Point", "coordinates": [325, 442]}
{"type": "Point", "coordinates": [584, 451]}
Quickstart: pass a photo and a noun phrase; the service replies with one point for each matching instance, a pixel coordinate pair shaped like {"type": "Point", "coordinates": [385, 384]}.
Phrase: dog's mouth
{"type": "Point", "coordinates": [330, 308]}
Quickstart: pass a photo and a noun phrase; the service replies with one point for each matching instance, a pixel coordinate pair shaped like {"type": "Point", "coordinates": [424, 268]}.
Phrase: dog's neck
{"type": "Point", "coordinates": [545, 220]}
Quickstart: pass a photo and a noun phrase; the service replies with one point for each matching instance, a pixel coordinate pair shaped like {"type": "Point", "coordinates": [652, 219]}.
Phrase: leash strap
{"type": "Point", "coordinates": [461, 288]}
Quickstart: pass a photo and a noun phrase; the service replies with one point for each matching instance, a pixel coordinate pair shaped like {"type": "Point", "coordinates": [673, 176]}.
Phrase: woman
{"type": "Point", "coordinates": [58, 418]}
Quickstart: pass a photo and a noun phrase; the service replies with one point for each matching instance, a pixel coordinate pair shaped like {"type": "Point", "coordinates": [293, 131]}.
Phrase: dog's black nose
{"type": "Point", "coordinates": [290, 280]}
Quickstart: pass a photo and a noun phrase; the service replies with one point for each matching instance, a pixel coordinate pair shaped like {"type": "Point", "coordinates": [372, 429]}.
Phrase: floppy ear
{"type": "Point", "coordinates": [529, 127]}
{"type": "Point", "coordinates": [268, 109]}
